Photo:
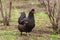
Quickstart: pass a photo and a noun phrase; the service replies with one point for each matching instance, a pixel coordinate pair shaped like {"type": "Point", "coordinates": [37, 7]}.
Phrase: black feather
{"type": "Point", "coordinates": [21, 18]}
{"type": "Point", "coordinates": [26, 24]}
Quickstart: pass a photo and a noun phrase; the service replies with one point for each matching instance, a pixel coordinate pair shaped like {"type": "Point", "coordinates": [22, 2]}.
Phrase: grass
{"type": "Point", "coordinates": [15, 35]}
{"type": "Point", "coordinates": [54, 36]}
{"type": "Point", "coordinates": [8, 35]}
{"type": "Point", "coordinates": [42, 21]}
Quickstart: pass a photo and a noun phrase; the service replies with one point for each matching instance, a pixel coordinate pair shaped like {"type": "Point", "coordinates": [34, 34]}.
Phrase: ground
{"type": "Point", "coordinates": [40, 32]}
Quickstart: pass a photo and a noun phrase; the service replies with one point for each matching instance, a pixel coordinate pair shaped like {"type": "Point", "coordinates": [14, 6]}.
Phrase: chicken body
{"type": "Point", "coordinates": [26, 24]}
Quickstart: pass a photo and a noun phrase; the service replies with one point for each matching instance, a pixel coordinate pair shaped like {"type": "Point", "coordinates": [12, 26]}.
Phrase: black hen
{"type": "Point", "coordinates": [26, 24]}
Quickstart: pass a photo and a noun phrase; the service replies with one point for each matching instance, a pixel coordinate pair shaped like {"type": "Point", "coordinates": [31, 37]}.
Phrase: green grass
{"type": "Point", "coordinates": [54, 36]}
{"type": "Point", "coordinates": [15, 35]}
{"type": "Point", "coordinates": [41, 20]}
{"type": "Point", "coordinates": [11, 35]}
{"type": "Point", "coordinates": [8, 35]}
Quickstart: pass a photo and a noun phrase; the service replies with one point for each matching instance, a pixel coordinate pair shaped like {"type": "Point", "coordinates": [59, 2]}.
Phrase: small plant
{"type": "Point", "coordinates": [54, 36]}
{"type": "Point", "coordinates": [52, 12]}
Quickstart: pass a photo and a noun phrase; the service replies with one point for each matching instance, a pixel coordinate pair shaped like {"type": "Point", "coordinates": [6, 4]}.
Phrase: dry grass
{"type": "Point", "coordinates": [40, 32]}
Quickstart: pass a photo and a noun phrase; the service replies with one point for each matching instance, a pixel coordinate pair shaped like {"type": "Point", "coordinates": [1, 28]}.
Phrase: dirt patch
{"type": "Point", "coordinates": [41, 32]}
{"type": "Point", "coordinates": [8, 27]}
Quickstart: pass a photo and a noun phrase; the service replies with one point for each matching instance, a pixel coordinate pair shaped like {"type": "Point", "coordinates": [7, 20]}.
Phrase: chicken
{"type": "Point", "coordinates": [26, 24]}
